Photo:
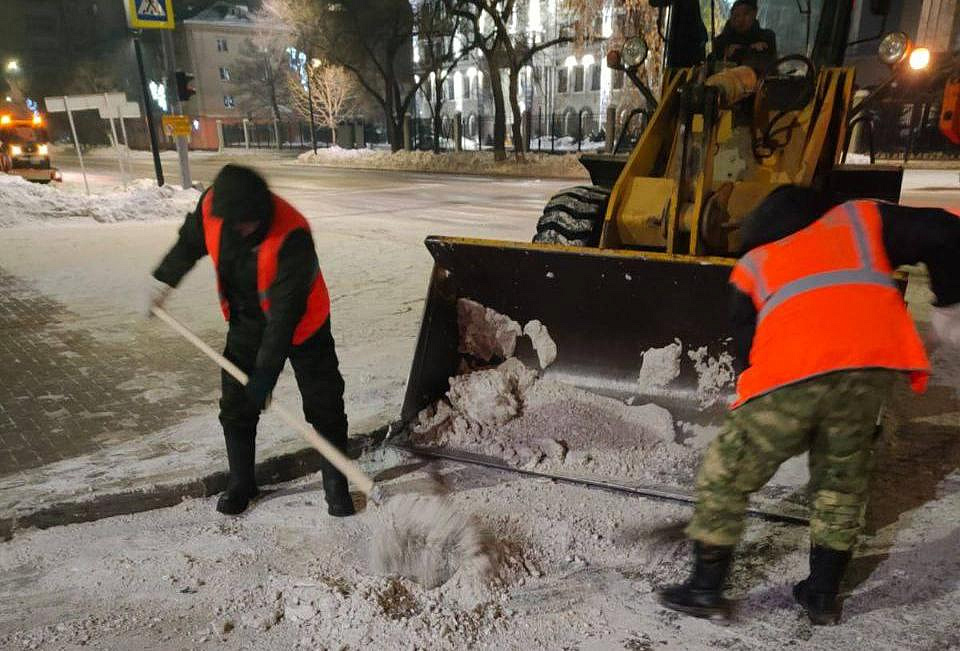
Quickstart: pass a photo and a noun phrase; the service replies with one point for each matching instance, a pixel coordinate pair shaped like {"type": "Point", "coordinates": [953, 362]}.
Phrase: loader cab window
{"type": "Point", "coordinates": [793, 22]}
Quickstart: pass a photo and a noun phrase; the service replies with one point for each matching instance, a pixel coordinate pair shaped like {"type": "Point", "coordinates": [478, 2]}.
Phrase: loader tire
{"type": "Point", "coordinates": [574, 217]}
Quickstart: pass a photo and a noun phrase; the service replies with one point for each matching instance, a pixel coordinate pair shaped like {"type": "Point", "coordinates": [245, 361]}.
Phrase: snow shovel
{"type": "Point", "coordinates": [339, 460]}
{"type": "Point", "coordinates": [421, 536]}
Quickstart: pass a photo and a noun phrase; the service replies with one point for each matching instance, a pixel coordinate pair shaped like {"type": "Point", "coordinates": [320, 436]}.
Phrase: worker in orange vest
{"type": "Point", "coordinates": [276, 303]}
{"type": "Point", "coordinates": [826, 332]}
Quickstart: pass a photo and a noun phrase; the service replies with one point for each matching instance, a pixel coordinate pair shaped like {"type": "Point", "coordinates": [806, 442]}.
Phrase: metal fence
{"type": "Point", "coordinates": [555, 133]}
{"type": "Point", "coordinates": [903, 131]}
{"type": "Point", "coordinates": [265, 135]}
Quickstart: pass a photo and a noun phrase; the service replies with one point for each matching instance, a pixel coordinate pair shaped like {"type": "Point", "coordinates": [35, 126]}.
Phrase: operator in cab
{"type": "Point", "coordinates": [743, 42]}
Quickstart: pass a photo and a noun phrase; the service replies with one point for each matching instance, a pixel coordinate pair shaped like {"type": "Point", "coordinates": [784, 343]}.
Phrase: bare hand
{"type": "Point", "coordinates": [157, 295]}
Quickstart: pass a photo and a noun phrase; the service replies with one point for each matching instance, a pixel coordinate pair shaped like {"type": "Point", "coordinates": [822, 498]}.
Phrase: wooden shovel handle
{"type": "Point", "coordinates": [339, 460]}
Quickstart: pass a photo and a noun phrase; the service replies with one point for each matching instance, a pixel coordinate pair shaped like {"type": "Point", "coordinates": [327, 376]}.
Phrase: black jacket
{"type": "Point", "coordinates": [910, 236]}
{"type": "Point", "coordinates": [746, 56]}
{"type": "Point", "coordinates": [296, 267]}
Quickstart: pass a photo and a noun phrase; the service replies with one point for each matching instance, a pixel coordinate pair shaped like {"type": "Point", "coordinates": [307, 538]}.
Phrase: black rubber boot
{"type": "Point", "coordinates": [702, 594]}
{"type": "Point", "coordinates": [242, 486]}
{"type": "Point", "coordinates": [818, 592]}
{"type": "Point", "coordinates": [336, 490]}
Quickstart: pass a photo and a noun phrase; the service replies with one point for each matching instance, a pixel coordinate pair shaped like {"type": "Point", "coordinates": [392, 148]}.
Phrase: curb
{"type": "Point", "coordinates": [282, 468]}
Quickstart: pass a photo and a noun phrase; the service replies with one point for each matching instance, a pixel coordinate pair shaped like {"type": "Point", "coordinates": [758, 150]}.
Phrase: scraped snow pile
{"type": "Point", "coordinates": [506, 410]}
{"type": "Point", "coordinates": [535, 424]}
{"type": "Point", "coordinates": [464, 162]}
{"type": "Point", "coordinates": [22, 202]}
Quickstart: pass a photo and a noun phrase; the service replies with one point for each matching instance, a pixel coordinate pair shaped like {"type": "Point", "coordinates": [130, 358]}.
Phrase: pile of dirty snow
{"type": "Point", "coordinates": [498, 406]}
{"type": "Point", "coordinates": [22, 202]}
{"type": "Point", "coordinates": [464, 162]}
{"type": "Point", "coordinates": [535, 424]}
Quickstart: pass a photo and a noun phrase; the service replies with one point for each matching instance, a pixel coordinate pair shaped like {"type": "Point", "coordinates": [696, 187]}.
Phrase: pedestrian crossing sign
{"type": "Point", "coordinates": [149, 14]}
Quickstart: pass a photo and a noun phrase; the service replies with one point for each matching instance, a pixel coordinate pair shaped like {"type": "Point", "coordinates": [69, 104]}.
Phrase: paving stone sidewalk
{"type": "Point", "coordinates": [65, 393]}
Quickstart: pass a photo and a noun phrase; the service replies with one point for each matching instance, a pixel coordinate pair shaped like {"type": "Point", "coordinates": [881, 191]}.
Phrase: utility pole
{"type": "Point", "coordinates": [173, 98]}
{"type": "Point", "coordinates": [148, 109]}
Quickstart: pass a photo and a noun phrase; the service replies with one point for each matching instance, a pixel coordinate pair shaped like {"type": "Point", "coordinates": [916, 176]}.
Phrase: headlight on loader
{"type": "Point", "coordinates": [43, 150]}
{"type": "Point", "coordinates": [893, 48]}
{"type": "Point", "coordinates": [15, 150]}
{"type": "Point", "coordinates": [920, 58]}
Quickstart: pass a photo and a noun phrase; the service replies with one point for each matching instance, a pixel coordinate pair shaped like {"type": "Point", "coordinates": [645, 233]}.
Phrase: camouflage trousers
{"type": "Point", "coordinates": [833, 417]}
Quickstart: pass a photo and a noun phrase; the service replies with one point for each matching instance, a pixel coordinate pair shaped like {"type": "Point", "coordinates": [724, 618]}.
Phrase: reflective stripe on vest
{"type": "Point", "coordinates": [866, 274]}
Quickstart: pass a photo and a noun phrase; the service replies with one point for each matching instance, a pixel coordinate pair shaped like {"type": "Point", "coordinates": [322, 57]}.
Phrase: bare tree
{"type": "Point", "coordinates": [370, 38]}
{"type": "Point", "coordinates": [260, 76]}
{"type": "Point", "coordinates": [632, 18]}
{"type": "Point", "coordinates": [492, 23]}
{"type": "Point", "coordinates": [333, 90]}
{"type": "Point", "coordinates": [442, 44]}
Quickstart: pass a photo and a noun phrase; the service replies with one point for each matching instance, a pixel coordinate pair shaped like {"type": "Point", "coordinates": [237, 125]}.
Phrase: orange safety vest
{"type": "Point", "coordinates": [826, 301]}
{"type": "Point", "coordinates": [286, 219]}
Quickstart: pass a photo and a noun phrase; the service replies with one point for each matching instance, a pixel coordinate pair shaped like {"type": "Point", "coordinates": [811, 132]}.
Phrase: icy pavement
{"type": "Point", "coordinates": [579, 566]}
{"type": "Point", "coordinates": [97, 399]}
{"type": "Point", "coordinates": [577, 569]}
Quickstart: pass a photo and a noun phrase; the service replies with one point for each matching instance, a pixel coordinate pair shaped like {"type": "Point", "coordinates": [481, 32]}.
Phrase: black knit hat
{"type": "Point", "coordinates": [750, 3]}
{"type": "Point", "coordinates": [240, 194]}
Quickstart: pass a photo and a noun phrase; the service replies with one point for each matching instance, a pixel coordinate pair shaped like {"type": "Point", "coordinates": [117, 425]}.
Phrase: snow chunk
{"type": "Point", "coordinates": [543, 343]}
{"type": "Point", "coordinates": [485, 333]}
{"type": "Point", "coordinates": [660, 366]}
{"type": "Point", "coordinates": [714, 375]}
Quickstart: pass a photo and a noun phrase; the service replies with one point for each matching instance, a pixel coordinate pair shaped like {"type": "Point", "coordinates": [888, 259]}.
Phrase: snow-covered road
{"type": "Point", "coordinates": [369, 229]}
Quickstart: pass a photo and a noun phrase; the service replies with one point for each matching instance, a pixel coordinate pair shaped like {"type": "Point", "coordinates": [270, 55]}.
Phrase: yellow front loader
{"type": "Point", "coordinates": [640, 259]}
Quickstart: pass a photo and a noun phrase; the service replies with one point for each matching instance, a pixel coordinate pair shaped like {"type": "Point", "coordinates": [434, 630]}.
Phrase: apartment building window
{"type": "Point", "coordinates": [595, 77]}
{"type": "Point", "coordinates": [617, 79]}
{"type": "Point", "coordinates": [578, 79]}
{"type": "Point", "coordinates": [224, 74]}
{"type": "Point", "coordinates": [228, 101]}
{"type": "Point", "coordinates": [466, 88]}
{"type": "Point", "coordinates": [561, 80]}
{"type": "Point", "coordinates": [222, 45]}
{"type": "Point", "coordinates": [449, 86]}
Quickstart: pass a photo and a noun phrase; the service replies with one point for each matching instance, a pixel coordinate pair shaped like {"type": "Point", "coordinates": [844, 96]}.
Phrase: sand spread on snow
{"type": "Point", "coordinates": [425, 538]}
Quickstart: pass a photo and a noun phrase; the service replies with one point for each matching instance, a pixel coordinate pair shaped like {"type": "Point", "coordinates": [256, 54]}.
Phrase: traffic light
{"type": "Point", "coordinates": [185, 89]}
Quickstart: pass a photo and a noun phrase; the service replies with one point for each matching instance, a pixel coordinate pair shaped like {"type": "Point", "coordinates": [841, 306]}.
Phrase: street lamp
{"type": "Point", "coordinates": [13, 66]}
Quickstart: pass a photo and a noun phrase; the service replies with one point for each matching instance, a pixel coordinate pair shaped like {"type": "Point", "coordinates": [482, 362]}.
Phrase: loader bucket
{"type": "Point", "coordinates": [603, 308]}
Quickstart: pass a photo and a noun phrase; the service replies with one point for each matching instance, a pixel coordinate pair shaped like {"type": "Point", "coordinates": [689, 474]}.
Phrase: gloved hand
{"type": "Point", "coordinates": [259, 390]}
{"type": "Point", "coordinates": [157, 294]}
{"type": "Point", "coordinates": [946, 324]}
